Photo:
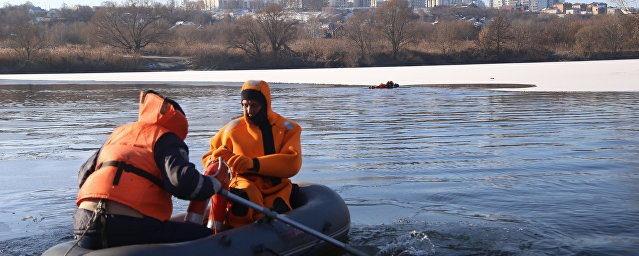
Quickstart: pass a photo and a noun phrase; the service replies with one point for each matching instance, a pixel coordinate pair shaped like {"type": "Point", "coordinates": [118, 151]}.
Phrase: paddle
{"type": "Point", "coordinates": [283, 218]}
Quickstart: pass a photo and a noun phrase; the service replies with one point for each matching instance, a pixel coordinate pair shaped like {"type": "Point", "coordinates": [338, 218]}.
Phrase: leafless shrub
{"type": "Point", "coordinates": [605, 34]}
{"type": "Point", "coordinates": [395, 22]}
{"type": "Point", "coordinates": [326, 52]}
{"type": "Point", "coordinates": [312, 28]}
{"type": "Point", "coordinates": [130, 27]}
{"type": "Point", "coordinates": [247, 36]}
{"type": "Point", "coordinates": [26, 37]}
{"type": "Point", "coordinates": [278, 28]}
{"type": "Point", "coordinates": [448, 35]}
{"type": "Point", "coordinates": [360, 29]}
{"type": "Point", "coordinates": [526, 35]}
{"type": "Point", "coordinates": [494, 37]}
{"type": "Point", "coordinates": [76, 33]}
{"type": "Point", "coordinates": [630, 24]}
{"type": "Point", "coordinates": [560, 33]}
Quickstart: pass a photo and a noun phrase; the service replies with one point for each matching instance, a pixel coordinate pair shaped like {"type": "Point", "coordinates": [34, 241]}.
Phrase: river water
{"type": "Point", "coordinates": [424, 171]}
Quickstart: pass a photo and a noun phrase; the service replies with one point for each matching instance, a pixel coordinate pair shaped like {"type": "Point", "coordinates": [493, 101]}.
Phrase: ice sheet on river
{"type": "Point", "coordinates": [607, 75]}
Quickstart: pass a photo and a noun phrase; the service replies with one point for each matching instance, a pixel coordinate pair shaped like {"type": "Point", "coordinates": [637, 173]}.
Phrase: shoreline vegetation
{"type": "Point", "coordinates": [174, 38]}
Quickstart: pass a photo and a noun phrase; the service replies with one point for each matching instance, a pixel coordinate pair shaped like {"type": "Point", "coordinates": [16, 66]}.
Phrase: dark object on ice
{"type": "Point", "coordinates": [387, 85]}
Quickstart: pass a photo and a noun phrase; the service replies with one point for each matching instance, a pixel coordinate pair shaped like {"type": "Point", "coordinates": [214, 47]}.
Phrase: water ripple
{"type": "Point", "coordinates": [424, 171]}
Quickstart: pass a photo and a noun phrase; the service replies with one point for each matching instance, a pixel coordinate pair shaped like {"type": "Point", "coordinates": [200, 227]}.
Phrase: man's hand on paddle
{"type": "Point", "coordinates": [222, 175]}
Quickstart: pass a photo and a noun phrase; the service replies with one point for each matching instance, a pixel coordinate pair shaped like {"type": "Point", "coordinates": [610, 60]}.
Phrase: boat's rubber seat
{"type": "Point", "coordinates": [297, 199]}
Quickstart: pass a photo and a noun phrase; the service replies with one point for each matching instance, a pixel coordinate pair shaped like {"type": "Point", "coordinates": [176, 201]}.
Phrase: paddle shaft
{"type": "Point", "coordinates": [290, 222]}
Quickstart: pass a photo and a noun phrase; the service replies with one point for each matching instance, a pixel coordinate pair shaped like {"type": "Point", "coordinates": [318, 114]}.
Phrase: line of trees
{"type": "Point", "coordinates": [391, 34]}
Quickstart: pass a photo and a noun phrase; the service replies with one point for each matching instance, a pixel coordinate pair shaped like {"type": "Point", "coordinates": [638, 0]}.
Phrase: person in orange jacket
{"type": "Point", "coordinates": [263, 150]}
{"type": "Point", "coordinates": [126, 186]}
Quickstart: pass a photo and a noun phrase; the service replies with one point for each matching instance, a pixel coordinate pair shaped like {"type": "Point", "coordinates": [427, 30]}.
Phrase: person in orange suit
{"type": "Point", "coordinates": [263, 151]}
{"type": "Point", "coordinates": [125, 187]}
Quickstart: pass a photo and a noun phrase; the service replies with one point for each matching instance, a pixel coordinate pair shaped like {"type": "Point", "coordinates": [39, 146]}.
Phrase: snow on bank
{"type": "Point", "coordinates": [608, 75]}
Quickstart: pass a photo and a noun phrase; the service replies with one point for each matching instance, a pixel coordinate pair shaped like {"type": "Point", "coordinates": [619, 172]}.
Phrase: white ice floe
{"type": "Point", "coordinates": [607, 75]}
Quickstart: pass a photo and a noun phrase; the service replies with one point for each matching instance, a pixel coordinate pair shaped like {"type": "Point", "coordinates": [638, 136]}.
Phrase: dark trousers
{"type": "Point", "coordinates": [118, 230]}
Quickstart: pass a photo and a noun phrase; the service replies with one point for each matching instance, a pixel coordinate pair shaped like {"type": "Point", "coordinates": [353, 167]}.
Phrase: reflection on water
{"type": "Point", "coordinates": [425, 171]}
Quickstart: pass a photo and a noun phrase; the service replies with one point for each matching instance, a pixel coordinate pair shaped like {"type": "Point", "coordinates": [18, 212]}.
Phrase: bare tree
{"type": "Point", "coordinates": [559, 33]}
{"type": "Point", "coordinates": [247, 36]}
{"type": "Point", "coordinates": [277, 27]}
{"type": "Point", "coordinates": [394, 20]}
{"type": "Point", "coordinates": [526, 35]}
{"type": "Point", "coordinates": [606, 34]}
{"type": "Point", "coordinates": [187, 35]}
{"type": "Point", "coordinates": [130, 27]}
{"type": "Point", "coordinates": [312, 28]}
{"type": "Point", "coordinates": [614, 33]}
{"type": "Point", "coordinates": [25, 35]}
{"type": "Point", "coordinates": [494, 37]}
{"type": "Point", "coordinates": [359, 29]}
{"type": "Point", "coordinates": [450, 35]}
{"type": "Point", "coordinates": [632, 23]}
{"type": "Point", "coordinates": [76, 14]}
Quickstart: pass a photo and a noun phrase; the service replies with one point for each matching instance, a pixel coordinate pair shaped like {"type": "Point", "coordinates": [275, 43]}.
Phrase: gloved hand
{"type": "Point", "coordinates": [240, 164]}
{"type": "Point", "coordinates": [223, 152]}
{"type": "Point", "coordinates": [220, 175]}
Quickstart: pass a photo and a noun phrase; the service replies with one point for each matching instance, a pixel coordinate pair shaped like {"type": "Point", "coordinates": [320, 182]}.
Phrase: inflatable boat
{"type": "Point", "coordinates": [315, 206]}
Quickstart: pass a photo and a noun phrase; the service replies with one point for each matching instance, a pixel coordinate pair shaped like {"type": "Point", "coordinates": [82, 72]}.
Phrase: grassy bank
{"type": "Point", "coordinates": [316, 54]}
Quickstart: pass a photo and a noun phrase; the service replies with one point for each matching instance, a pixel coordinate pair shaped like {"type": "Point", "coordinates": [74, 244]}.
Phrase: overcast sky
{"type": "Point", "coordinates": [48, 4]}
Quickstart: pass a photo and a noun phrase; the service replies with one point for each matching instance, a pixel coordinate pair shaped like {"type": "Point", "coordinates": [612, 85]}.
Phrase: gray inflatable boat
{"type": "Point", "coordinates": [316, 207]}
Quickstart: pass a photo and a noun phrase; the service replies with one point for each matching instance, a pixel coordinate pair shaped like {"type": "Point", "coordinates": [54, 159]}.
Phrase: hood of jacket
{"type": "Point", "coordinates": [158, 110]}
{"type": "Point", "coordinates": [262, 87]}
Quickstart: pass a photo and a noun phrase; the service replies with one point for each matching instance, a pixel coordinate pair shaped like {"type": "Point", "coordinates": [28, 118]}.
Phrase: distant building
{"type": "Point", "coordinates": [503, 3]}
{"type": "Point", "coordinates": [358, 3]}
{"type": "Point", "coordinates": [599, 8]}
{"type": "Point", "coordinates": [315, 5]}
{"type": "Point", "coordinates": [579, 7]}
{"type": "Point", "coordinates": [417, 3]}
{"type": "Point", "coordinates": [562, 7]}
{"type": "Point", "coordinates": [433, 3]}
{"type": "Point", "coordinates": [538, 5]}
{"type": "Point", "coordinates": [337, 3]}
{"type": "Point", "coordinates": [37, 11]}
{"type": "Point", "coordinates": [612, 10]}
{"type": "Point", "coordinates": [249, 4]}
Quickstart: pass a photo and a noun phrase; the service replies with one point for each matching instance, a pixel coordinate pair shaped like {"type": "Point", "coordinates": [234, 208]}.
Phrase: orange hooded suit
{"type": "Point", "coordinates": [126, 170]}
{"type": "Point", "coordinates": [268, 184]}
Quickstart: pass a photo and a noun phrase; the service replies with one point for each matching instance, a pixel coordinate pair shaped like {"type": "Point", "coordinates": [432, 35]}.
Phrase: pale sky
{"type": "Point", "coordinates": [48, 4]}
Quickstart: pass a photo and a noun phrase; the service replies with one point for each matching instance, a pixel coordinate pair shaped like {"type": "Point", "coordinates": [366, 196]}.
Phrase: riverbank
{"type": "Point", "coordinates": [608, 75]}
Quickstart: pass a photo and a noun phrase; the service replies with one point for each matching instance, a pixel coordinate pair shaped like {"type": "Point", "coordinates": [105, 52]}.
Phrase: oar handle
{"type": "Point", "coordinates": [285, 219]}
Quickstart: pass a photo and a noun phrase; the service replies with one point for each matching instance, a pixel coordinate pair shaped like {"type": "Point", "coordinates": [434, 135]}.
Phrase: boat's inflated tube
{"type": "Point", "coordinates": [316, 206]}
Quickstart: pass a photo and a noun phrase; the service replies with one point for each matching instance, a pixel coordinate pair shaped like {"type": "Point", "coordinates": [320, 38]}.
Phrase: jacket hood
{"type": "Point", "coordinates": [156, 109]}
{"type": "Point", "coordinates": [262, 87]}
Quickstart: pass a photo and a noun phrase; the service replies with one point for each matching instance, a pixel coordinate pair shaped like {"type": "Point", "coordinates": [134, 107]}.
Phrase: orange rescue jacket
{"type": "Point", "coordinates": [126, 171]}
{"type": "Point", "coordinates": [244, 138]}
